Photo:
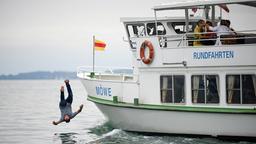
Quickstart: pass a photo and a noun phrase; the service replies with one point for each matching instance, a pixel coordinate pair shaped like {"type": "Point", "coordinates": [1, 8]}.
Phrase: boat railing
{"type": "Point", "coordinates": [187, 39]}
{"type": "Point", "coordinates": [106, 73]}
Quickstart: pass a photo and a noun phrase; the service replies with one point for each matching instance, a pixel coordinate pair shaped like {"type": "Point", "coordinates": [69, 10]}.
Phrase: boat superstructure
{"type": "Point", "coordinates": [177, 87]}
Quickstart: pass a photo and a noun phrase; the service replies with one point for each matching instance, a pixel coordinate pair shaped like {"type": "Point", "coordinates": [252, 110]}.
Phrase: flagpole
{"type": "Point", "coordinates": [93, 49]}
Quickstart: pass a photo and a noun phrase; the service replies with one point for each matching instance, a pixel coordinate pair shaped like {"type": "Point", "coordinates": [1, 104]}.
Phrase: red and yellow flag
{"type": "Point", "coordinates": [99, 45]}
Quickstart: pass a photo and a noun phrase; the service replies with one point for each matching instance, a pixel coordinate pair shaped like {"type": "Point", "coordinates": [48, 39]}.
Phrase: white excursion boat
{"type": "Point", "coordinates": [177, 87]}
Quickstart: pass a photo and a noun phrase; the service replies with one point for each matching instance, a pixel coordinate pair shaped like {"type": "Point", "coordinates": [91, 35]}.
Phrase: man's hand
{"type": "Point", "coordinates": [80, 108]}
{"type": "Point", "coordinates": [57, 122]}
{"type": "Point", "coordinates": [54, 123]}
{"type": "Point", "coordinates": [78, 111]}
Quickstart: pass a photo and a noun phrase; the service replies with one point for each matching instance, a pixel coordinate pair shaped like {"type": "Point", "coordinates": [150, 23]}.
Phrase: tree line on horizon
{"type": "Point", "coordinates": [40, 75]}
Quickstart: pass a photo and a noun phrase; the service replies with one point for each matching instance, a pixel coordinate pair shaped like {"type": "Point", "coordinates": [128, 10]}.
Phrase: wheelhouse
{"type": "Point", "coordinates": [179, 31]}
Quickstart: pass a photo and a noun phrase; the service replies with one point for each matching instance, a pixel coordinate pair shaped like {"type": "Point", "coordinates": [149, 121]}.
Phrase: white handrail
{"type": "Point", "coordinates": [183, 39]}
{"type": "Point", "coordinates": [104, 70]}
{"type": "Point", "coordinates": [123, 75]}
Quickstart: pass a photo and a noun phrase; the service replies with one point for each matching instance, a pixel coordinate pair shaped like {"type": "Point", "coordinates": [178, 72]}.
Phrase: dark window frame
{"type": "Point", "coordinates": [176, 98]}
{"type": "Point", "coordinates": [174, 24]}
{"type": "Point", "coordinates": [207, 89]}
{"type": "Point", "coordinates": [244, 89]}
{"type": "Point", "coordinates": [136, 30]}
{"type": "Point", "coordinates": [153, 26]}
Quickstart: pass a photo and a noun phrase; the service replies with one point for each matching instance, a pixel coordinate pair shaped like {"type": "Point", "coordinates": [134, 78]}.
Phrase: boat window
{"type": "Point", "coordinates": [136, 30]}
{"type": "Point", "coordinates": [180, 27]}
{"type": "Point", "coordinates": [151, 29]}
{"type": "Point", "coordinates": [172, 89]}
{"type": "Point", "coordinates": [240, 89]}
{"type": "Point", "coordinates": [205, 89]}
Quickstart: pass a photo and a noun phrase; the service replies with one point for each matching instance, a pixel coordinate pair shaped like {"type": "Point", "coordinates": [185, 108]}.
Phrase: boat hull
{"type": "Point", "coordinates": [178, 122]}
{"type": "Point", "coordinates": [123, 112]}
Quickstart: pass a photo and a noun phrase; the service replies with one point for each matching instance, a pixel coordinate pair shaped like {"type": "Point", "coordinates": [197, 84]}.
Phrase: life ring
{"type": "Point", "coordinates": [144, 45]}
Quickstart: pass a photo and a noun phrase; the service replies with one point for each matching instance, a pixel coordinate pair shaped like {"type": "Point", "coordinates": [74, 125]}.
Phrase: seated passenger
{"type": "Point", "coordinates": [199, 29]}
{"type": "Point", "coordinates": [209, 35]}
{"type": "Point", "coordinates": [223, 31]}
{"type": "Point", "coordinates": [228, 25]}
{"type": "Point", "coordinates": [231, 39]}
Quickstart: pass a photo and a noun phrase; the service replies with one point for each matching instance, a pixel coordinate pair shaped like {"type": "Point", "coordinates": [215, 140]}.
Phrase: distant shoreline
{"type": "Point", "coordinates": [40, 75]}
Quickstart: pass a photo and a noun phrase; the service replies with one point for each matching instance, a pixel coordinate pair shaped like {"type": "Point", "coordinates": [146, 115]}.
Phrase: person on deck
{"type": "Point", "coordinates": [222, 29]}
{"type": "Point", "coordinates": [210, 35]}
{"type": "Point", "coordinates": [228, 25]}
{"type": "Point", "coordinates": [224, 33]}
{"type": "Point", "coordinates": [199, 29]}
{"type": "Point", "coordinates": [65, 105]}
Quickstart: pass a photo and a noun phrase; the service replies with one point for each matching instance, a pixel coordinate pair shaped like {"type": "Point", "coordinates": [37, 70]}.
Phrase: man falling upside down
{"type": "Point", "coordinates": [65, 105]}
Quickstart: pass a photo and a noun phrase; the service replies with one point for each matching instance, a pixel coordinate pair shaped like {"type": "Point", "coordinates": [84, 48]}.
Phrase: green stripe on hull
{"type": "Point", "coordinates": [173, 108]}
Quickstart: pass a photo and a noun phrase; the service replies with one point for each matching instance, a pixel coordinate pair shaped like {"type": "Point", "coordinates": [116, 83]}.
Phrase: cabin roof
{"type": "Point", "coordinates": [152, 19]}
{"type": "Point", "coordinates": [196, 3]}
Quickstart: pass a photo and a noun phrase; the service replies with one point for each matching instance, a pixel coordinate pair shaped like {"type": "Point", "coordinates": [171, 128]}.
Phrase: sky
{"type": "Point", "coordinates": [56, 35]}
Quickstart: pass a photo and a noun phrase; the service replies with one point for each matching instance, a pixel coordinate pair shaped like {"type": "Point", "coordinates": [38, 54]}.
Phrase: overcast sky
{"type": "Point", "coordinates": [57, 34]}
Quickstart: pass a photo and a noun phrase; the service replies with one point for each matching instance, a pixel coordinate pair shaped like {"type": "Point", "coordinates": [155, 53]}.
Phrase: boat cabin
{"type": "Point", "coordinates": [222, 73]}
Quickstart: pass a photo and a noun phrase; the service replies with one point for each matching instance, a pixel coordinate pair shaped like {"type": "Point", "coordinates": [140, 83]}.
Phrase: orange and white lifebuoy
{"type": "Point", "coordinates": [144, 45]}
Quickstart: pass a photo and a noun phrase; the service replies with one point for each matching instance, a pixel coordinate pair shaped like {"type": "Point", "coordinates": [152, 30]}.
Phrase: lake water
{"type": "Point", "coordinates": [27, 109]}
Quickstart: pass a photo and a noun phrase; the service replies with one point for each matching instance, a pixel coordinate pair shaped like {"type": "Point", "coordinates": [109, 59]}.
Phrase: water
{"type": "Point", "coordinates": [27, 109]}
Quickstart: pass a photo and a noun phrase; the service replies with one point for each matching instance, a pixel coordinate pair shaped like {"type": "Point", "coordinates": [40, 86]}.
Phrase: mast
{"type": "Point", "coordinates": [213, 14]}
{"type": "Point", "coordinates": [186, 19]}
{"type": "Point", "coordinates": [93, 53]}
